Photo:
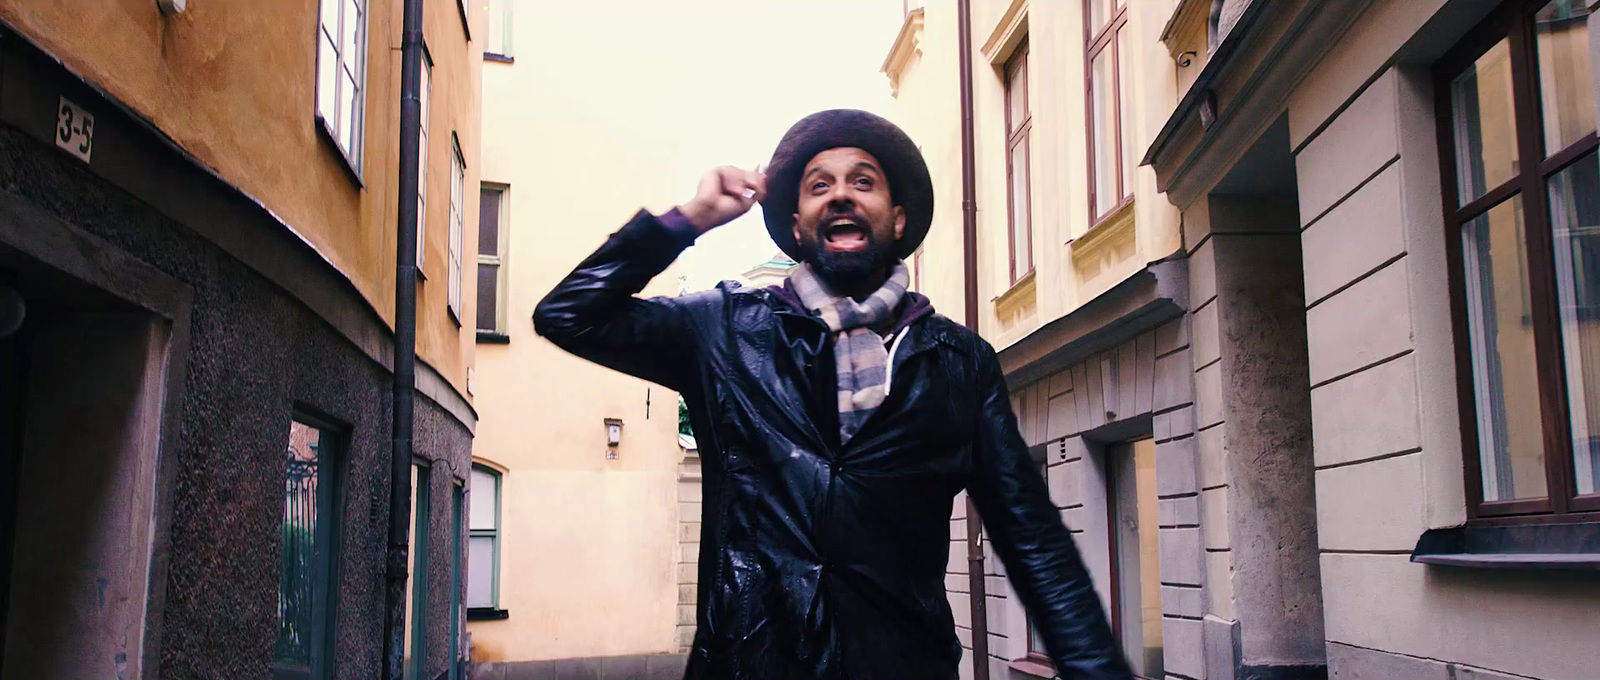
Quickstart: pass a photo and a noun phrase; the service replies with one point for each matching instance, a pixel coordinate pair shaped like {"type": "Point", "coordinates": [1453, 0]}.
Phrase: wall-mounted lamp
{"type": "Point", "coordinates": [613, 437]}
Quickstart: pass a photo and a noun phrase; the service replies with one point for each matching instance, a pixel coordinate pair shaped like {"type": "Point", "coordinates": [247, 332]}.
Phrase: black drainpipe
{"type": "Point", "coordinates": [969, 237]}
{"type": "Point", "coordinates": [405, 343]}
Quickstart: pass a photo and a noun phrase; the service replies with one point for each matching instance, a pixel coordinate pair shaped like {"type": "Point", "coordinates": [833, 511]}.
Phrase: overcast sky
{"type": "Point", "coordinates": [733, 76]}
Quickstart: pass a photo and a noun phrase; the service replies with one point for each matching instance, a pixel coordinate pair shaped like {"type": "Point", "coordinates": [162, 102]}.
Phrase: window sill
{"type": "Point", "coordinates": [502, 58]}
{"type": "Point", "coordinates": [1122, 211]}
{"type": "Point", "coordinates": [1022, 286]}
{"type": "Point", "coordinates": [1545, 547]}
{"type": "Point", "coordinates": [493, 338]}
{"type": "Point", "coordinates": [487, 614]}
{"type": "Point", "coordinates": [1033, 667]}
{"type": "Point", "coordinates": [326, 132]}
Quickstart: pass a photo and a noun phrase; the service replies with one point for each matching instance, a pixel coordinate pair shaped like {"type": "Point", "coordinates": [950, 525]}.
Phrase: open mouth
{"type": "Point", "coordinates": [845, 234]}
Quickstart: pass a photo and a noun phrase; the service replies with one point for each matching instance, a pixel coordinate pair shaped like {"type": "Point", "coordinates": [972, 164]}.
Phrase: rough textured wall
{"type": "Point", "coordinates": [256, 356]}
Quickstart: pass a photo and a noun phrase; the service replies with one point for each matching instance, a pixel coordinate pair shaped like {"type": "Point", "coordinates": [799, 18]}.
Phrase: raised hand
{"type": "Point", "coordinates": [724, 194]}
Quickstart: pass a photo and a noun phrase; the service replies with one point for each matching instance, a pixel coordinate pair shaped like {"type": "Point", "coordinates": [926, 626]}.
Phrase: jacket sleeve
{"type": "Point", "coordinates": [593, 313]}
{"type": "Point", "coordinates": [1044, 566]}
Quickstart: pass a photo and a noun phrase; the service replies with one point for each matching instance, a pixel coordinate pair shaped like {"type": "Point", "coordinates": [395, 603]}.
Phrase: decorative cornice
{"type": "Point", "coordinates": [906, 45]}
{"type": "Point", "coordinates": [1260, 61]}
{"type": "Point", "coordinates": [1189, 16]}
{"type": "Point", "coordinates": [1008, 32]}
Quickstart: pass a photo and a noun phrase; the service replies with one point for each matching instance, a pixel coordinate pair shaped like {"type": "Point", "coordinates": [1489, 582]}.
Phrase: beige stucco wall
{"type": "Point", "coordinates": [926, 103]}
{"type": "Point", "coordinates": [1386, 424]}
{"type": "Point", "coordinates": [589, 545]}
{"type": "Point", "coordinates": [234, 84]}
{"type": "Point", "coordinates": [923, 69]}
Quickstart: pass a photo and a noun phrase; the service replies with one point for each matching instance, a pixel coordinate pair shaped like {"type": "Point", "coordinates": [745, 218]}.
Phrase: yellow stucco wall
{"type": "Point", "coordinates": [233, 82]}
{"type": "Point", "coordinates": [927, 104]}
{"type": "Point", "coordinates": [588, 562]}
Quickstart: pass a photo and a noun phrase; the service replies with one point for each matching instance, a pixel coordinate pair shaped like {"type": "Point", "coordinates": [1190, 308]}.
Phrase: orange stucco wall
{"type": "Point", "coordinates": [233, 82]}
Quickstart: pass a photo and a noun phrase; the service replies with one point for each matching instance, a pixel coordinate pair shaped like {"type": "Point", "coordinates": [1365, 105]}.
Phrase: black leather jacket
{"type": "Point", "coordinates": [820, 560]}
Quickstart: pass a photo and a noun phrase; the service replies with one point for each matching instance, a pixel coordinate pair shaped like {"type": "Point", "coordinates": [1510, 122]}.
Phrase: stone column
{"type": "Point", "coordinates": [1258, 501]}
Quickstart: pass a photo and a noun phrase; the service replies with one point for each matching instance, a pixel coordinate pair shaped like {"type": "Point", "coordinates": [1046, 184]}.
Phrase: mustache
{"type": "Point", "coordinates": [836, 213]}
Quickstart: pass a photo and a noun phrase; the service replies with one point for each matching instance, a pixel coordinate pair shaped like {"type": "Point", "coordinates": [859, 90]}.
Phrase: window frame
{"type": "Point", "coordinates": [1120, 462]}
{"type": "Point", "coordinates": [1513, 22]}
{"type": "Point", "coordinates": [421, 528]}
{"type": "Point", "coordinates": [458, 563]}
{"type": "Point", "coordinates": [493, 611]}
{"type": "Point", "coordinates": [498, 261]}
{"type": "Point", "coordinates": [1018, 134]}
{"type": "Point", "coordinates": [506, 54]}
{"type": "Point", "coordinates": [426, 94]}
{"type": "Point", "coordinates": [458, 210]}
{"type": "Point", "coordinates": [353, 155]}
{"type": "Point", "coordinates": [1096, 41]}
{"type": "Point", "coordinates": [327, 539]}
{"type": "Point", "coordinates": [916, 268]}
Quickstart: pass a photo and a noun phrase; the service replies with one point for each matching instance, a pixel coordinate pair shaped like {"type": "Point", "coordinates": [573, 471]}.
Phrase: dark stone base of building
{"type": "Point", "coordinates": [633, 667]}
{"type": "Point", "coordinates": [154, 384]}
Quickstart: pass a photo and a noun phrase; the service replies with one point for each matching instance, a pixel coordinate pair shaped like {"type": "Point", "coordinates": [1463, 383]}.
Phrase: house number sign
{"type": "Point", "coordinates": [74, 129]}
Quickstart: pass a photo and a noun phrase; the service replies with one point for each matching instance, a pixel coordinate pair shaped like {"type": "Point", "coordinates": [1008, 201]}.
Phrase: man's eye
{"type": "Point", "coordinates": [818, 186]}
{"type": "Point", "coordinates": [864, 183]}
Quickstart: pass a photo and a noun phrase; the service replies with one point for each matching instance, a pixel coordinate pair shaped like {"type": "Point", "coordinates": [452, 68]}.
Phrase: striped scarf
{"type": "Point", "coordinates": [859, 354]}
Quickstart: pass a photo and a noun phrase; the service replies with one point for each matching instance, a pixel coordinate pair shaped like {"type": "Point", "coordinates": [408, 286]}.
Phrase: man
{"type": "Point", "coordinates": [837, 417]}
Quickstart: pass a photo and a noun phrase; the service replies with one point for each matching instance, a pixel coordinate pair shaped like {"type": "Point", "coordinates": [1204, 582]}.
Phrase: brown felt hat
{"type": "Point", "coordinates": [909, 183]}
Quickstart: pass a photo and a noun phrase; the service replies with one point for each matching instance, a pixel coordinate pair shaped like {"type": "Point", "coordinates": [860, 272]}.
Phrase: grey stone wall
{"type": "Point", "coordinates": [257, 356]}
{"type": "Point", "coordinates": [1140, 387]}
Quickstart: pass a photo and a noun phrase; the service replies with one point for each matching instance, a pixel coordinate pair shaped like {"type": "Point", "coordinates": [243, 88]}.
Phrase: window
{"type": "Point", "coordinates": [1136, 587]}
{"type": "Point", "coordinates": [483, 545]}
{"type": "Point", "coordinates": [341, 73]}
{"type": "Point", "coordinates": [1522, 203]}
{"type": "Point", "coordinates": [458, 193]}
{"type": "Point", "coordinates": [458, 612]}
{"type": "Point", "coordinates": [1019, 123]}
{"type": "Point", "coordinates": [1111, 153]}
{"type": "Point", "coordinates": [492, 236]}
{"type": "Point", "coordinates": [1036, 650]}
{"type": "Point", "coordinates": [306, 582]}
{"type": "Point", "coordinates": [425, 94]}
{"type": "Point", "coordinates": [417, 604]}
{"type": "Point", "coordinates": [498, 46]}
{"type": "Point", "coordinates": [916, 270]}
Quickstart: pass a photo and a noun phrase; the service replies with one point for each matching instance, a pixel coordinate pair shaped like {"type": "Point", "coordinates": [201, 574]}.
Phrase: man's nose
{"type": "Point", "coordinates": [840, 199]}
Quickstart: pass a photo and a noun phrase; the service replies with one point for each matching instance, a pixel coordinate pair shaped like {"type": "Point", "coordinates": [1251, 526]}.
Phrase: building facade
{"type": "Point", "coordinates": [1307, 373]}
{"type": "Point", "coordinates": [1081, 287]}
{"type": "Point", "coordinates": [583, 572]}
{"type": "Point", "coordinates": [1411, 189]}
{"type": "Point", "coordinates": [197, 253]}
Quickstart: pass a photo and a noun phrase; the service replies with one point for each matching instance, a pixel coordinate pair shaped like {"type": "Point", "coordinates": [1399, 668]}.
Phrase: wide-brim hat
{"type": "Point", "coordinates": [902, 163]}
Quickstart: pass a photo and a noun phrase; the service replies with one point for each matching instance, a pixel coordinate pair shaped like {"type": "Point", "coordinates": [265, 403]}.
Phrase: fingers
{"type": "Point", "coordinates": [748, 185]}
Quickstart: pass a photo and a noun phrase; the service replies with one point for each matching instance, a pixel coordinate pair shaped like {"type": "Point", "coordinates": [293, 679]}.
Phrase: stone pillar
{"type": "Point", "coordinates": [1258, 501]}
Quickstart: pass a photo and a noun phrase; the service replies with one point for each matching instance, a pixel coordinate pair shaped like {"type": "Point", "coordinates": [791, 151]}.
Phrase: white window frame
{"type": "Point", "coordinates": [425, 93]}
{"type": "Point", "coordinates": [495, 533]}
{"type": "Point", "coordinates": [458, 209]}
{"type": "Point", "coordinates": [498, 260]}
{"type": "Point", "coordinates": [499, 27]}
{"type": "Point", "coordinates": [330, 43]}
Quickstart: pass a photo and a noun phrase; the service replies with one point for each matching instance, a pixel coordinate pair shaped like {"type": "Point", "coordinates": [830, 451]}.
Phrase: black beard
{"type": "Point", "coordinates": [842, 271]}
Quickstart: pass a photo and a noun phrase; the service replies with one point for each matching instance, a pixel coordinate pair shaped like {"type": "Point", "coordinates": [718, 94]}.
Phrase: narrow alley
{"type": "Point", "coordinates": [1289, 302]}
